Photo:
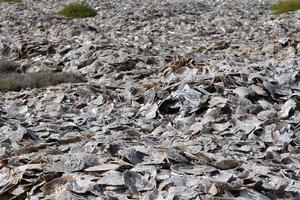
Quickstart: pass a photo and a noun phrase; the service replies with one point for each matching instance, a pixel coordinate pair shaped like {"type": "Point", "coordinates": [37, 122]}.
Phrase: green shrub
{"type": "Point", "coordinates": [284, 6]}
{"type": "Point", "coordinates": [10, 1]}
{"type": "Point", "coordinates": [77, 10]}
{"type": "Point", "coordinates": [17, 81]}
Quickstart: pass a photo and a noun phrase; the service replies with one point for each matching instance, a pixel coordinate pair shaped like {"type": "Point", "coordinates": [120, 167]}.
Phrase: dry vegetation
{"type": "Point", "coordinates": [10, 1]}
{"type": "Point", "coordinates": [12, 78]}
{"type": "Point", "coordinates": [17, 81]}
{"type": "Point", "coordinates": [8, 66]}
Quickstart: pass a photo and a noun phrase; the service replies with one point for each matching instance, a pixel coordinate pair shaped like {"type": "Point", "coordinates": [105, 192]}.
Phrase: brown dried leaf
{"type": "Point", "coordinates": [226, 164]}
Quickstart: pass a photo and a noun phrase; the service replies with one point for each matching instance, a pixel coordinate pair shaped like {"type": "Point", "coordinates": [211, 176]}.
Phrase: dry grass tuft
{"type": "Point", "coordinates": [17, 81]}
{"type": "Point", "coordinates": [10, 1]}
{"type": "Point", "coordinates": [8, 67]}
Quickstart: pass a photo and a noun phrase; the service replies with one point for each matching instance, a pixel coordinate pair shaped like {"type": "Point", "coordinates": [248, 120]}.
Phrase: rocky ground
{"type": "Point", "coordinates": [185, 99]}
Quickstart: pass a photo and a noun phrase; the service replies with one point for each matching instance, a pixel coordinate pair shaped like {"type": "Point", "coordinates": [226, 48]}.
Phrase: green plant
{"type": "Point", "coordinates": [77, 10]}
{"type": "Point", "coordinates": [10, 1]}
{"type": "Point", "coordinates": [8, 66]}
{"type": "Point", "coordinates": [284, 6]}
{"type": "Point", "coordinates": [17, 81]}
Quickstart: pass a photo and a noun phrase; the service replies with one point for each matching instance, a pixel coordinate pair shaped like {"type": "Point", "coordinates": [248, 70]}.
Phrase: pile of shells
{"type": "Point", "coordinates": [185, 99]}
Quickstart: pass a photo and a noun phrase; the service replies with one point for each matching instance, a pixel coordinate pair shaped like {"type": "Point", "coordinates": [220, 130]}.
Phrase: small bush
{"type": "Point", "coordinates": [18, 81]}
{"type": "Point", "coordinates": [10, 1]}
{"type": "Point", "coordinates": [77, 10]}
{"type": "Point", "coordinates": [284, 6]}
{"type": "Point", "coordinates": [8, 67]}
